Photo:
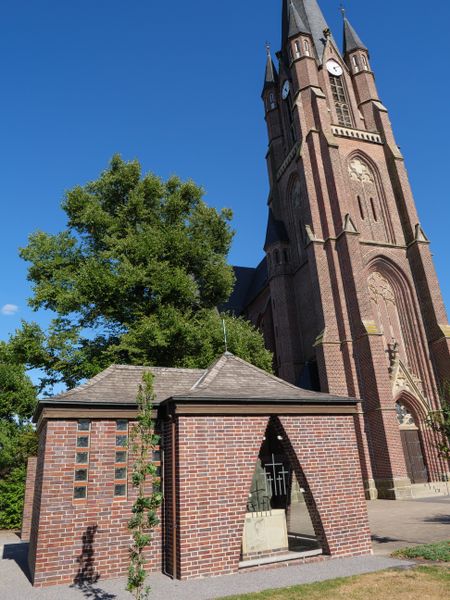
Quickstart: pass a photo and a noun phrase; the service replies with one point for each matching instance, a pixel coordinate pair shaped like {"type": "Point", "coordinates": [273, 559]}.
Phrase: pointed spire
{"type": "Point", "coordinates": [296, 25]}
{"type": "Point", "coordinates": [312, 20]}
{"type": "Point", "coordinates": [270, 75]}
{"type": "Point", "coordinates": [352, 41]}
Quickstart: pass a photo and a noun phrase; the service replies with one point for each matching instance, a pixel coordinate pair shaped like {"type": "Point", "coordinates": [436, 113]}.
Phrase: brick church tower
{"type": "Point", "coordinates": [347, 295]}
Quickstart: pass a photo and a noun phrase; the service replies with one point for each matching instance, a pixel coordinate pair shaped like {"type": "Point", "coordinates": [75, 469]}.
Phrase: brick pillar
{"type": "Point", "coordinates": [29, 499]}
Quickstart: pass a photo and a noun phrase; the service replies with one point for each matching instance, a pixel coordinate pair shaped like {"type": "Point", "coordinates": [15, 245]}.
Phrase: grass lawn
{"type": "Point", "coordinates": [439, 552]}
{"type": "Point", "coordinates": [420, 583]}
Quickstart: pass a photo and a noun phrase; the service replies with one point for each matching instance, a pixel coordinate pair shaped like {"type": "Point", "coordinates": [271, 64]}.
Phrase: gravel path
{"type": "Point", "coordinates": [14, 584]}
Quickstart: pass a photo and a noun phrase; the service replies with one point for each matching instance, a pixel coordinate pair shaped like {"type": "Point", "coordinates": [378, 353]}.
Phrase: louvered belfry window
{"type": "Point", "coordinates": [340, 101]}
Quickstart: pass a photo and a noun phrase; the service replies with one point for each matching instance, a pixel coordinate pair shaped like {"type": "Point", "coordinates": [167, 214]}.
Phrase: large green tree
{"type": "Point", "coordinates": [17, 436]}
{"type": "Point", "coordinates": [135, 278]}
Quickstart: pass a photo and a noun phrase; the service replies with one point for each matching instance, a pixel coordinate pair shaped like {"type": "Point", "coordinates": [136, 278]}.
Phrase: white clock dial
{"type": "Point", "coordinates": [334, 68]}
{"type": "Point", "coordinates": [286, 89]}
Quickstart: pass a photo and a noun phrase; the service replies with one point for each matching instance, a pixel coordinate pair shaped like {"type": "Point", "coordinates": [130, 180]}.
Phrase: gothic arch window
{"type": "Point", "coordinates": [297, 49]}
{"type": "Point", "coordinates": [355, 63]}
{"type": "Point", "coordinates": [361, 209]}
{"type": "Point", "coordinates": [271, 103]}
{"type": "Point", "coordinates": [306, 48]}
{"type": "Point", "coordinates": [297, 208]}
{"type": "Point", "coordinates": [369, 201]}
{"type": "Point", "coordinates": [340, 101]}
{"type": "Point", "coordinates": [374, 210]}
{"type": "Point", "coordinates": [277, 257]}
{"type": "Point", "coordinates": [364, 62]}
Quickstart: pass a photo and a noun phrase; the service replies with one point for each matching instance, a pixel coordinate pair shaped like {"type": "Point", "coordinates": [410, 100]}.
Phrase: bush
{"type": "Point", "coordinates": [12, 494]}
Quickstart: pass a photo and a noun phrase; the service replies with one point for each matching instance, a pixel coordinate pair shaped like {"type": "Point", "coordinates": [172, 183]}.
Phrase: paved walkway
{"type": "Point", "coordinates": [394, 525]}
{"type": "Point", "coordinates": [398, 524]}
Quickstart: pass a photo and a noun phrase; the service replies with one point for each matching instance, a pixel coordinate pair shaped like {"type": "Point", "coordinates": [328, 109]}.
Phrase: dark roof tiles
{"type": "Point", "coordinates": [228, 379]}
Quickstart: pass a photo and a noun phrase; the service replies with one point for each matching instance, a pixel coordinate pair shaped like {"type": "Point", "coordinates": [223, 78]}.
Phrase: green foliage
{"type": "Point", "coordinates": [135, 278]}
{"type": "Point", "coordinates": [17, 393]}
{"type": "Point", "coordinates": [439, 552]}
{"type": "Point", "coordinates": [17, 443]}
{"type": "Point", "coordinates": [12, 494]}
{"type": "Point", "coordinates": [18, 439]}
{"type": "Point", "coordinates": [145, 480]}
{"type": "Point", "coordinates": [439, 421]}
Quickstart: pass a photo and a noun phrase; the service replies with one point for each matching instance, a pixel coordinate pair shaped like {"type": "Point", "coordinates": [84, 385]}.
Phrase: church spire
{"type": "Point", "coordinates": [270, 75]}
{"type": "Point", "coordinates": [296, 25]}
{"type": "Point", "coordinates": [311, 18]}
{"type": "Point", "coordinates": [352, 41]}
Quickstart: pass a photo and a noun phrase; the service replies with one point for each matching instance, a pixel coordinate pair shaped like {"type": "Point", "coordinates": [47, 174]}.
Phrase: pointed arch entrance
{"type": "Point", "coordinates": [412, 443]}
{"type": "Point", "coordinates": [278, 518]}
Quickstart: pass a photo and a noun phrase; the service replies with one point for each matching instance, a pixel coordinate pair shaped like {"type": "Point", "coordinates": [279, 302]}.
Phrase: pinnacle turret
{"type": "Point", "coordinates": [352, 41]}
{"type": "Point", "coordinates": [311, 19]}
{"type": "Point", "coordinates": [296, 24]}
{"type": "Point", "coordinates": [270, 75]}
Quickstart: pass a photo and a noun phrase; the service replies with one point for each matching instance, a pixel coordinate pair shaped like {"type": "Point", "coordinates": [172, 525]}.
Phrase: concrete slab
{"type": "Point", "coordinates": [397, 525]}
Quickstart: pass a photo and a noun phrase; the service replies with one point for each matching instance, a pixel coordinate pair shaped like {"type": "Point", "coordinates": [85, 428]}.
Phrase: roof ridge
{"type": "Point", "coordinates": [210, 373]}
{"type": "Point", "coordinates": [271, 375]}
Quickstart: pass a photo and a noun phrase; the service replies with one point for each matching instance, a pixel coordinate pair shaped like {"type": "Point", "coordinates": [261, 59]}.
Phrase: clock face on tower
{"type": "Point", "coordinates": [334, 68]}
{"type": "Point", "coordinates": [286, 89]}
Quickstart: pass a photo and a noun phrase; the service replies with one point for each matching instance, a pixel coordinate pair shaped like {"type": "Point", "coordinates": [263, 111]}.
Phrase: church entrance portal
{"type": "Point", "coordinates": [412, 446]}
{"type": "Point", "coordinates": [277, 519]}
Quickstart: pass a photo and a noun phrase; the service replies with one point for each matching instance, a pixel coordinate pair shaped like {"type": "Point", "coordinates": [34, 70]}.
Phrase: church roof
{"type": "Point", "coordinates": [119, 384]}
{"type": "Point", "coordinates": [249, 283]}
{"type": "Point", "coordinates": [231, 378]}
{"type": "Point", "coordinates": [276, 231]}
{"type": "Point", "coordinates": [352, 41]}
{"type": "Point", "coordinates": [312, 19]}
{"type": "Point", "coordinates": [228, 379]}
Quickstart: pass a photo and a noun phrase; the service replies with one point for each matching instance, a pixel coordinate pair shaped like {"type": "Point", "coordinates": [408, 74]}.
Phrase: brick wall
{"type": "Point", "coordinates": [29, 499]}
{"type": "Point", "coordinates": [216, 461]}
{"type": "Point", "coordinates": [81, 538]}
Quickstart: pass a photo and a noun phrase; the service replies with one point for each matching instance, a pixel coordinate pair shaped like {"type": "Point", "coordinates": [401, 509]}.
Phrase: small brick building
{"type": "Point", "coordinates": [254, 471]}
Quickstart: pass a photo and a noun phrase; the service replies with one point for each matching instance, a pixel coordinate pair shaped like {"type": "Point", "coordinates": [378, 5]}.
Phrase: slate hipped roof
{"type": "Point", "coordinates": [228, 379]}
{"type": "Point", "coordinates": [352, 41]}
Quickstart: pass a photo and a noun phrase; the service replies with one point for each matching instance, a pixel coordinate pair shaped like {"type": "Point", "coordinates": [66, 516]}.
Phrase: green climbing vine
{"type": "Point", "coordinates": [145, 480]}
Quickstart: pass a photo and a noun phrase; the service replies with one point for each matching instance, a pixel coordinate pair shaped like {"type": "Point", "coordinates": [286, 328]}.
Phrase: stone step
{"type": "Point", "coordinates": [429, 490]}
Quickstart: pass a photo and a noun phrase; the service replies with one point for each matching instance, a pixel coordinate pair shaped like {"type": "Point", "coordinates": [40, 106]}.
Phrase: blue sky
{"type": "Point", "coordinates": [177, 84]}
